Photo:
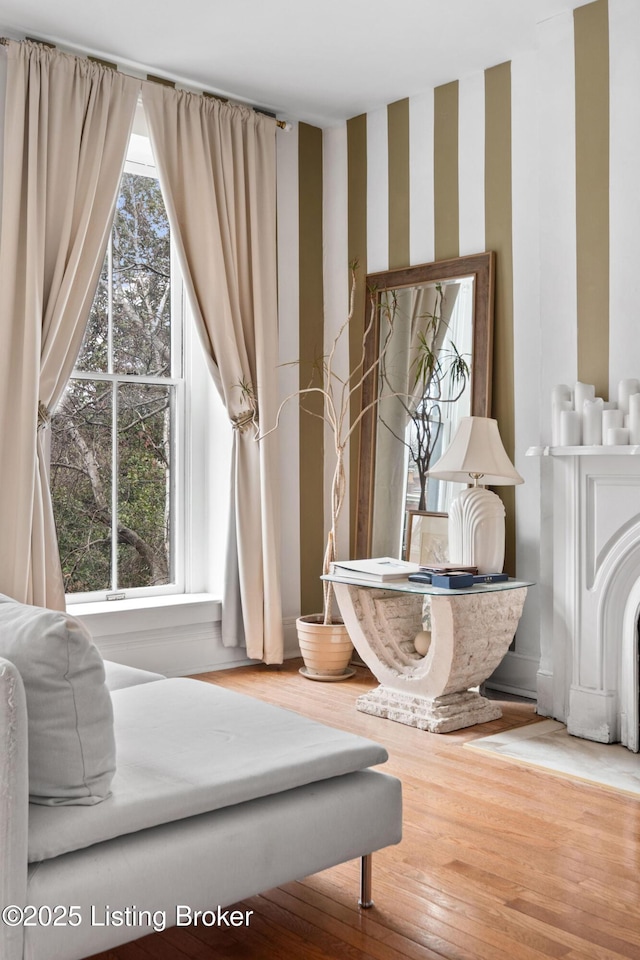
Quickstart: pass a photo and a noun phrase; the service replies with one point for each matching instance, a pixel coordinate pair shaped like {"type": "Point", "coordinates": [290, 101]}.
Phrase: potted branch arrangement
{"type": "Point", "coordinates": [324, 642]}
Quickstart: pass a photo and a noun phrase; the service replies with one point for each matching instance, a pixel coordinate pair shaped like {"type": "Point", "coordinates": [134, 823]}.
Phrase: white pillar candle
{"type": "Point", "coordinates": [560, 392]}
{"type": "Point", "coordinates": [610, 405]}
{"type": "Point", "coordinates": [570, 428]}
{"type": "Point", "coordinates": [617, 437]}
{"type": "Point", "coordinates": [557, 407]}
{"type": "Point", "coordinates": [611, 419]}
{"type": "Point", "coordinates": [634, 418]}
{"type": "Point", "coordinates": [592, 422]}
{"type": "Point", "coordinates": [626, 389]}
{"type": "Point", "coordinates": [582, 392]}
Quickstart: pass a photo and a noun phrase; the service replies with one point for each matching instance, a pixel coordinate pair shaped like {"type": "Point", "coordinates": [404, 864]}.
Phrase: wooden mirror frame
{"type": "Point", "coordinates": [482, 267]}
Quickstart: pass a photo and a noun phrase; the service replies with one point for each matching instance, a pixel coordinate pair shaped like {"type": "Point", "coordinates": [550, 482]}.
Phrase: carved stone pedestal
{"type": "Point", "coordinates": [471, 632]}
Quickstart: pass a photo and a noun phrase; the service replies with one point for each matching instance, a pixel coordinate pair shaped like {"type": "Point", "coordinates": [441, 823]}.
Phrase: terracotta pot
{"type": "Point", "coordinates": [326, 648]}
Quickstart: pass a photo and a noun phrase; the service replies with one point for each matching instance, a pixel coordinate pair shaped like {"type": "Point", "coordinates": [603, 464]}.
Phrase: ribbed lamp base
{"type": "Point", "coordinates": [476, 530]}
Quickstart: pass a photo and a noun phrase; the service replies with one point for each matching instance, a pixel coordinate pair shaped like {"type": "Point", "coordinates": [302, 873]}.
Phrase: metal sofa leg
{"type": "Point", "coordinates": [366, 864]}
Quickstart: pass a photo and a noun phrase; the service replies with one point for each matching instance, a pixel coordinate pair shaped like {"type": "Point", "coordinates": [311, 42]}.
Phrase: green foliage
{"type": "Point", "coordinates": [128, 333]}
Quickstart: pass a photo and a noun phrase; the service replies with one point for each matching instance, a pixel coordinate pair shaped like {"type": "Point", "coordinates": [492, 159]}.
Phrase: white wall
{"type": "Point", "coordinates": [544, 244]}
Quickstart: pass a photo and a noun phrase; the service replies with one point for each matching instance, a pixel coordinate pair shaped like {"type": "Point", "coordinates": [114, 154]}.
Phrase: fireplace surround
{"type": "Point", "coordinates": [590, 584]}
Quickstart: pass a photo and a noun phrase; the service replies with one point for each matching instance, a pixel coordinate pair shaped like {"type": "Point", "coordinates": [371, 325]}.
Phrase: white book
{"type": "Point", "coordinates": [377, 568]}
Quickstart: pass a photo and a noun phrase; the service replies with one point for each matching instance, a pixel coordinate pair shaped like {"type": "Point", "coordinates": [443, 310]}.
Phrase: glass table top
{"type": "Point", "coordinates": [426, 589]}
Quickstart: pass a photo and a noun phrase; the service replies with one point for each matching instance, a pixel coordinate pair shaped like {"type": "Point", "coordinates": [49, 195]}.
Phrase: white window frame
{"type": "Point", "coordinates": [202, 440]}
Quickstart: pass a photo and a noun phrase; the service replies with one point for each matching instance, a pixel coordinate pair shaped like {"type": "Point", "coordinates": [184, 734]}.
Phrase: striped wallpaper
{"type": "Point", "coordinates": [538, 160]}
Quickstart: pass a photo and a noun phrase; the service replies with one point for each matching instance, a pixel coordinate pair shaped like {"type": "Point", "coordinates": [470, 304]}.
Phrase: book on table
{"type": "Point", "coordinates": [375, 568]}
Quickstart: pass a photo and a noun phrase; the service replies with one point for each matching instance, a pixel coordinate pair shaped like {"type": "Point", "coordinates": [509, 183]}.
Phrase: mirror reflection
{"type": "Point", "coordinates": [433, 341]}
{"type": "Point", "coordinates": [424, 389]}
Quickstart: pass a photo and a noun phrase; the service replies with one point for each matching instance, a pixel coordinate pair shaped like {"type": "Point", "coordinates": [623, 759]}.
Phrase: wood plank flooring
{"type": "Point", "coordinates": [499, 861]}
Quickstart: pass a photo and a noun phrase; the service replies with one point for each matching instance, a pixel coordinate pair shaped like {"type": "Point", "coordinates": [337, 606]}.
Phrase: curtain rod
{"type": "Point", "coordinates": [5, 41]}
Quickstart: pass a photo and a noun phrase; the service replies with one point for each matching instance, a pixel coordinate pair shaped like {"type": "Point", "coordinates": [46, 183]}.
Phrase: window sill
{"type": "Point", "coordinates": [147, 613]}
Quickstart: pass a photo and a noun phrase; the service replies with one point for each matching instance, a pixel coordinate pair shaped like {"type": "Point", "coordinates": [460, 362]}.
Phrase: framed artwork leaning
{"type": "Point", "coordinates": [426, 537]}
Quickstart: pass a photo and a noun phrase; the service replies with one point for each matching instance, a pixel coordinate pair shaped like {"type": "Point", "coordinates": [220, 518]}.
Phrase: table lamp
{"type": "Point", "coordinates": [476, 516]}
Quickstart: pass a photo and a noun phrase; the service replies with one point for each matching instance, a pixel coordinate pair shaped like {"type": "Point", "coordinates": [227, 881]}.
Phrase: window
{"type": "Point", "coordinates": [117, 435]}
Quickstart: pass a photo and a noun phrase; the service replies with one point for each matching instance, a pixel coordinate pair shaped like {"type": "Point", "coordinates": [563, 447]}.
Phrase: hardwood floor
{"type": "Point", "coordinates": [499, 861]}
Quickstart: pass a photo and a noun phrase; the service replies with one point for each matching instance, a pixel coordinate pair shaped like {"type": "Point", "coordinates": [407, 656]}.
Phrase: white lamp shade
{"type": "Point", "coordinates": [476, 450]}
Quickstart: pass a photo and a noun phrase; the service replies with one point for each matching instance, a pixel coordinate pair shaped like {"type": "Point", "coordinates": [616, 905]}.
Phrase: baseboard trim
{"type": "Point", "coordinates": [517, 674]}
{"type": "Point", "coordinates": [181, 650]}
{"type": "Point", "coordinates": [291, 646]}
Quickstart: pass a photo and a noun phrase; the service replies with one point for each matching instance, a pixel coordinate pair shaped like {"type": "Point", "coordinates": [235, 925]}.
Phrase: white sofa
{"type": "Point", "coordinates": [213, 796]}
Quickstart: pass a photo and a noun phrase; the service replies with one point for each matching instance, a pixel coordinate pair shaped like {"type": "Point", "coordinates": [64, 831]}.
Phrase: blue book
{"type": "Point", "coordinates": [452, 581]}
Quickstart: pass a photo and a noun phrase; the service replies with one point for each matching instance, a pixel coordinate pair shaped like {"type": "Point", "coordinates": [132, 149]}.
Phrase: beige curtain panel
{"type": "Point", "coordinates": [217, 170]}
{"type": "Point", "coordinates": [66, 131]}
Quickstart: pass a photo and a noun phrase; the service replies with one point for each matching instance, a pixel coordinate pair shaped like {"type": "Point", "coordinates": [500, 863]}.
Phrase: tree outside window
{"type": "Point", "coordinates": [113, 453]}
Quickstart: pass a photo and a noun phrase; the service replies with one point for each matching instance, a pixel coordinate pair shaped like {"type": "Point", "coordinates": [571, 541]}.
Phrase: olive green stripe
{"type": "Point", "coordinates": [498, 237]}
{"type": "Point", "coordinates": [398, 139]}
{"type": "Point", "coordinates": [357, 253]}
{"type": "Point", "coordinates": [445, 172]}
{"type": "Point", "coordinates": [311, 333]}
{"type": "Point", "coordinates": [591, 39]}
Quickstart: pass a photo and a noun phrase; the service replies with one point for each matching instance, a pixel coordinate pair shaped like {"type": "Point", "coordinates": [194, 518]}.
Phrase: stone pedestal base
{"type": "Point", "coordinates": [438, 715]}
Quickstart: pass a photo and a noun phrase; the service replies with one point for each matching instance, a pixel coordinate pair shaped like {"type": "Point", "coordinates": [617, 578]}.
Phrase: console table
{"type": "Point", "coordinates": [471, 631]}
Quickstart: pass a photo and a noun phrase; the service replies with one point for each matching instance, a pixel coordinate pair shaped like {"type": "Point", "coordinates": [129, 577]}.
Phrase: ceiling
{"type": "Point", "coordinates": [321, 61]}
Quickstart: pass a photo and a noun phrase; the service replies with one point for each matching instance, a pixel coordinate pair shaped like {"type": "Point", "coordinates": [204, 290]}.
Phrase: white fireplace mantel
{"type": "Point", "coordinates": [596, 451]}
{"type": "Point", "coordinates": [590, 579]}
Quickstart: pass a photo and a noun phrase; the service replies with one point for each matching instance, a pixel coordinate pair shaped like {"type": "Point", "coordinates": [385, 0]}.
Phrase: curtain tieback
{"type": "Point", "coordinates": [244, 419]}
{"type": "Point", "coordinates": [44, 416]}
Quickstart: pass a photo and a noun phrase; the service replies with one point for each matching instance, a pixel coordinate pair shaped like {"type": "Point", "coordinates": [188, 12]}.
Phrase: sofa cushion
{"type": "Point", "coordinates": [186, 747]}
{"type": "Point", "coordinates": [119, 675]}
{"type": "Point", "coordinates": [70, 732]}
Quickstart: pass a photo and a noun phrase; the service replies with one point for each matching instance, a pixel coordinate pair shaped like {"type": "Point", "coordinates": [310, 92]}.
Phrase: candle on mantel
{"type": "Point", "coordinates": [570, 428]}
{"type": "Point", "coordinates": [560, 392]}
{"type": "Point", "coordinates": [582, 392]}
{"type": "Point", "coordinates": [616, 437]}
{"type": "Point", "coordinates": [626, 389]}
{"type": "Point", "coordinates": [634, 418]}
{"type": "Point", "coordinates": [557, 409]}
{"type": "Point", "coordinates": [561, 399]}
{"type": "Point", "coordinates": [592, 422]}
{"type": "Point", "coordinates": [611, 420]}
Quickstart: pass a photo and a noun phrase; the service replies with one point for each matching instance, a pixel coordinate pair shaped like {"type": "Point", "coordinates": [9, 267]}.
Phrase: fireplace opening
{"type": "Point", "coordinates": [630, 672]}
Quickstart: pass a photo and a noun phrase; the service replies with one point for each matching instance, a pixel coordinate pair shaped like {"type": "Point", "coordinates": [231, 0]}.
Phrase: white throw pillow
{"type": "Point", "coordinates": [72, 750]}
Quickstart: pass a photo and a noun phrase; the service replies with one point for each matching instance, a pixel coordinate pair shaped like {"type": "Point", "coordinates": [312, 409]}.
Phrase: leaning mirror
{"type": "Point", "coordinates": [430, 351]}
